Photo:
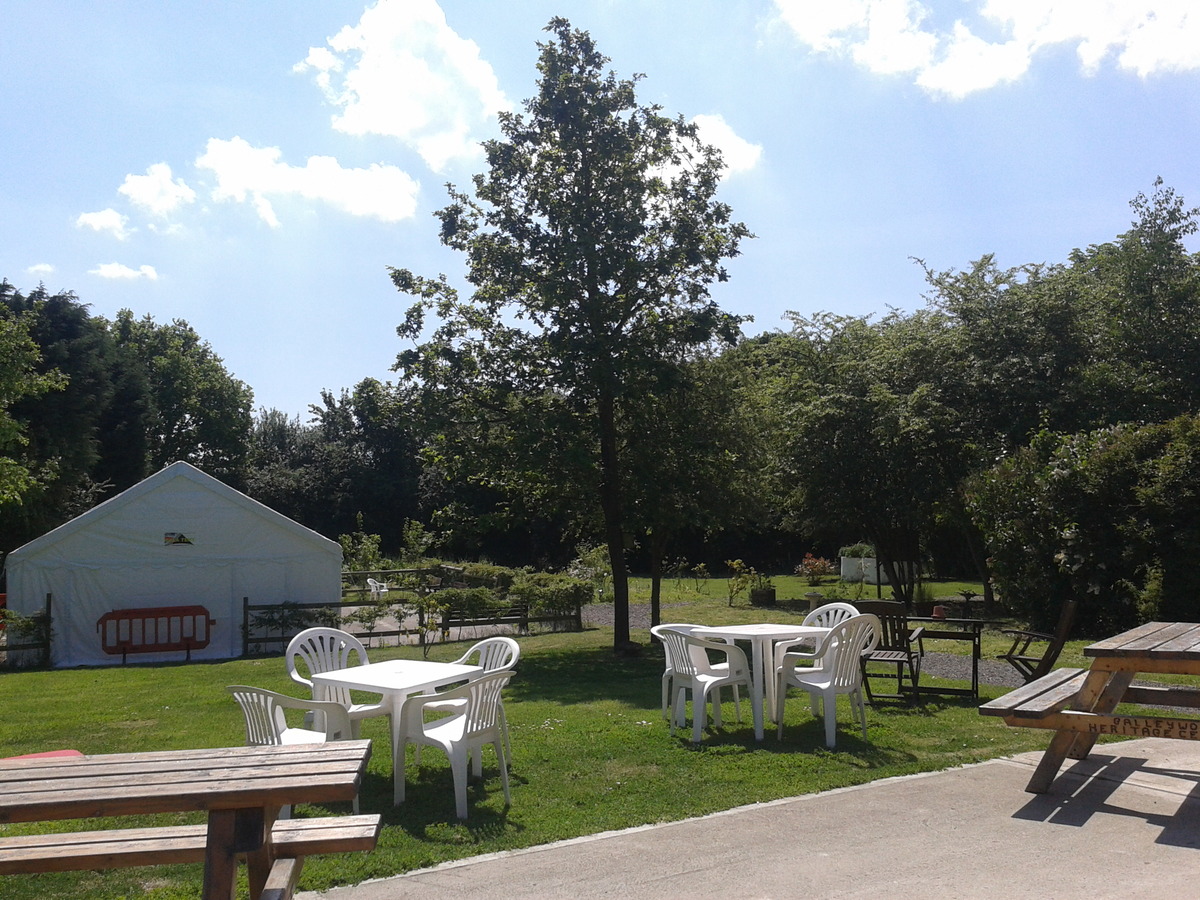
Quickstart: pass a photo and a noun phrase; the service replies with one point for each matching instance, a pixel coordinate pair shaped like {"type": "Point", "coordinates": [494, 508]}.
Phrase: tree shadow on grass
{"type": "Point", "coordinates": [586, 675]}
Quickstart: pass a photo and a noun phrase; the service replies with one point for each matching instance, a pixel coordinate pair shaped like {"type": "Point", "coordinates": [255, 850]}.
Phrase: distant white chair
{"type": "Point", "coordinates": [669, 671]}
{"type": "Point", "coordinates": [694, 671]}
{"type": "Point", "coordinates": [328, 650]}
{"type": "Point", "coordinates": [463, 735]}
{"type": "Point", "coordinates": [826, 616]}
{"type": "Point", "coordinates": [494, 654]}
{"type": "Point", "coordinates": [267, 725]}
{"type": "Point", "coordinates": [840, 653]}
{"type": "Point", "coordinates": [378, 589]}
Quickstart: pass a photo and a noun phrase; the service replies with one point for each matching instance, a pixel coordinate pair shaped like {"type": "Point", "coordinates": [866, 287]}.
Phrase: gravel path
{"type": "Point", "coordinates": [939, 665]}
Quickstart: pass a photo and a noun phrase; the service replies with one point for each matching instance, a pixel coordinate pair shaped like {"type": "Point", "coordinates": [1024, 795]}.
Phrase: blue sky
{"type": "Point", "coordinates": [254, 168]}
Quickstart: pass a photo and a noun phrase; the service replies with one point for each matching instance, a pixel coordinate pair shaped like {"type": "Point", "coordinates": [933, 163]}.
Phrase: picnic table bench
{"type": "Point", "coordinates": [242, 790]}
{"type": "Point", "coordinates": [1079, 704]}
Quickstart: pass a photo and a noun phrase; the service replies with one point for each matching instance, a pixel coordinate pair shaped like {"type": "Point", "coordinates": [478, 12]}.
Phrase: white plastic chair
{"type": "Point", "coordinates": [494, 654]}
{"type": "Point", "coordinates": [669, 672]}
{"type": "Point", "coordinates": [826, 616]}
{"type": "Point", "coordinates": [267, 725]}
{"type": "Point", "coordinates": [693, 671]}
{"type": "Point", "coordinates": [327, 650]}
{"type": "Point", "coordinates": [841, 672]}
{"type": "Point", "coordinates": [462, 735]}
{"type": "Point", "coordinates": [377, 588]}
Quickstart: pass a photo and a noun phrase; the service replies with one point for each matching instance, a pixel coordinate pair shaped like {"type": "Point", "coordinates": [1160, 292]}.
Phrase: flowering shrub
{"type": "Point", "coordinates": [814, 567]}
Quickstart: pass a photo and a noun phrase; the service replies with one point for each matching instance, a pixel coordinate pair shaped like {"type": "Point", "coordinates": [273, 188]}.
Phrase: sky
{"type": "Point", "coordinates": [255, 168]}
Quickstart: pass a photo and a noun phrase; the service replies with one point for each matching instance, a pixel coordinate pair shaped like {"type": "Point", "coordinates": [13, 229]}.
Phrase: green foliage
{"type": "Point", "coordinates": [1109, 516]}
{"type": "Point", "coordinates": [20, 380]}
{"type": "Point", "coordinates": [415, 543]}
{"type": "Point", "coordinates": [360, 551]}
{"type": "Point", "coordinates": [200, 412]}
{"type": "Point", "coordinates": [591, 564]}
{"type": "Point", "coordinates": [549, 594]}
{"type": "Point", "coordinates": [474, 603]}
{"type": "Point", "coordinates": [861, 550]}
{"type": "Point", "coordinates": [590, 288]}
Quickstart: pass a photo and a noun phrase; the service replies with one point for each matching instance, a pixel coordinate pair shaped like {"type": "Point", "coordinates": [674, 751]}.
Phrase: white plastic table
{"type": "Point", "coordinates": [396, 679]}
{"type": "Point", "coordinates": [762, 637]}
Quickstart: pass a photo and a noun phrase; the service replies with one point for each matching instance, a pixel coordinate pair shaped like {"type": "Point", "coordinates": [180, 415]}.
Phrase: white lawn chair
{"type": "Point", "coordinates": [463, 735]}
{"type": "Point", "coordinates": [327, 650]}
{"type": "Point", "coordinates": [693, 671]}
{"type": "Point", "coordinates": [841, 672]}
{"type": "Point", "coordinates": [267, 725]}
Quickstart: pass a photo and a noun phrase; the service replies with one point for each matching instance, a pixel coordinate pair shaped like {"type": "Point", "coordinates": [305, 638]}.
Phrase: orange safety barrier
{"type": "Point", "coordinates": [155, 630]}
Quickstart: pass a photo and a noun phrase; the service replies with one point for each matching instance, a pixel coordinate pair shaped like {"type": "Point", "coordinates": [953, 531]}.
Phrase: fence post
{"type": "Point", "coordinates": [49, 629]}
{"type": "Point", "coordinates": [245, 625]}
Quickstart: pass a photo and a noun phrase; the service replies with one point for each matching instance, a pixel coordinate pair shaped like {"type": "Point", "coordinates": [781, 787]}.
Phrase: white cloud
{"type": "Point", "coordinates": [40, 269]}
{"type": "Point", "coordinates": [739, 154]}
{"type": "Point", "coordinates": [996, 40]}
{"type": "Point", "coordinates": [156, 192]}
{"type": "Point", "coordinates": [106, 221]}
{"type": "Point", "coordinates": [255, 174]}
{"type": "Point", "coordinates": [402, 72]}
{"type": "Point", "coordinates": [124, 273]}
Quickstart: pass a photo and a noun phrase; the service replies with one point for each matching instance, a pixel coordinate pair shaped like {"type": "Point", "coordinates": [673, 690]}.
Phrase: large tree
{"type": "Point", "coordinates": [200, 412]}
{"type": "Point", "coordinates": [591, 244]}
{"type": "Point", "coordinates": [20, 380]}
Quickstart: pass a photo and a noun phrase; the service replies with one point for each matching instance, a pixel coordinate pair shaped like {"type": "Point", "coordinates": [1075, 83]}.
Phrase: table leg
{"type": "Point", "coordinates": [398, 726]}
{"type": "Point", "coordinates": [1101, 692]}
{"type": "Point", "coordinates": [756, 679]}
{"type": "Point", "coordinates": [230, 832]}
{"type": "Point", "coordinates": [260, 861]}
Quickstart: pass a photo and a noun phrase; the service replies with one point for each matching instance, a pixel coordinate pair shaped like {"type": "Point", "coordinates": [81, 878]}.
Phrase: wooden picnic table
{"type": "Point", "coordinates": [240, 788]}
{"type": "Point", "coordinates": [1079, 704]}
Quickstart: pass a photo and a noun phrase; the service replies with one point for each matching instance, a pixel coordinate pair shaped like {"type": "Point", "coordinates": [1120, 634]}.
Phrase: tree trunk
{"type": "Point", "coordinates": [614, 531]}
{"type": "Point", "coordinates": [658, 549]}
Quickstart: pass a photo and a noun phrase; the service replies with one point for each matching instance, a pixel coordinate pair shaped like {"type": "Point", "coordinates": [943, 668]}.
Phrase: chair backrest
{"type": "Point", "coordinates": [893, 622]}
{"type": "Point", "coordinates": [682, 627]}
{"type": "Point", "coordinates": [830, 614]}
{"type": "Point", "coordinates": [1062, 631]}
{"type": "Point", "coordinates": [847, 643]}
{"type": "Point", "coordinates": [493, 654]}
{"type": "Point", "coordinates": [483, 701]}
{"type": "Point", "coordinates": [265, 720]}
{"type": "Point", "coordinates": [324, 650]}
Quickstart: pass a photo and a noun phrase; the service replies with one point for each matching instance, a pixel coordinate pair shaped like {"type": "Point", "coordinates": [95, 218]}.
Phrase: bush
{"type": "Point", "coordinates": [550, 595]}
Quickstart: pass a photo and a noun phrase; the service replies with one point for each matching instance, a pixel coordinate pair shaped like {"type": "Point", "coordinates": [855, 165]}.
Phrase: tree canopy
{"type": "Point", "coordinates": [591, 242]}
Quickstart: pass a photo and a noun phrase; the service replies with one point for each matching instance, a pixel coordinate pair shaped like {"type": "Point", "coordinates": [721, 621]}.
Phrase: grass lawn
{"type": "Point", "coordinates": [591, 751]}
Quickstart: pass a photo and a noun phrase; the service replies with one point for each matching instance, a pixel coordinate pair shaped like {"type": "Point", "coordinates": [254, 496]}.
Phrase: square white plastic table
{"type": "Point", "coordinates": [396, 679]}
{"type": "Point", "coordinates": [762, 637]}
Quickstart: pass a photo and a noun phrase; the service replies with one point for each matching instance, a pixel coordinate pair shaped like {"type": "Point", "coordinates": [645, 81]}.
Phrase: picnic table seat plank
{"type": "Point", "coordinates": [120, 848]}
{"type": "Point", "coordinates": [1040, 698]}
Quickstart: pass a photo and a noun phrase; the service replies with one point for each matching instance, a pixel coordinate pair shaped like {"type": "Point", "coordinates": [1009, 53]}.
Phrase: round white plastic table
{"type": "Point", "coordinates": [762, 637]}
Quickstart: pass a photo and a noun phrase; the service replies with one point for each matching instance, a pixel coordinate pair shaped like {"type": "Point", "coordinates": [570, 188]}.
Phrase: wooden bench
{"type": "Point", "coordinates": [293, 839]}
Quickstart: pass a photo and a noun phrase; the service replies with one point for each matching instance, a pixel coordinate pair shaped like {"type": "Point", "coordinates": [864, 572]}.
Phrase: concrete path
{"type": "Point", "coordinates": [1123, 823]}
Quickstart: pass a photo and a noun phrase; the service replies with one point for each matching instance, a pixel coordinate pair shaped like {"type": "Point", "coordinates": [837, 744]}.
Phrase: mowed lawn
{"type": "Point", "coordinates": [591, 752]}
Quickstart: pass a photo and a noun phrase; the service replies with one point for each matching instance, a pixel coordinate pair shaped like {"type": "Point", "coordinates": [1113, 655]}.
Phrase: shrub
{"type": "Point", "coordinates": [814, 568]}
{"type": "Point", "coordinates": [550, 594]}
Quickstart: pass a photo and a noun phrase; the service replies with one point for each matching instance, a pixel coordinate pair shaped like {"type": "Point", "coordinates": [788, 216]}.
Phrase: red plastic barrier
{"type": "Point", "coordinates": [46, 755]}
{"type": "Point", "coordinates": [155, 630]}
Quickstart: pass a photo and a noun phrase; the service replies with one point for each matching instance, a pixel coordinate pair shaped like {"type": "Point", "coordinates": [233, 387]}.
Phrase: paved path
{"type": "Point", "coordinates": [1122, 824]}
